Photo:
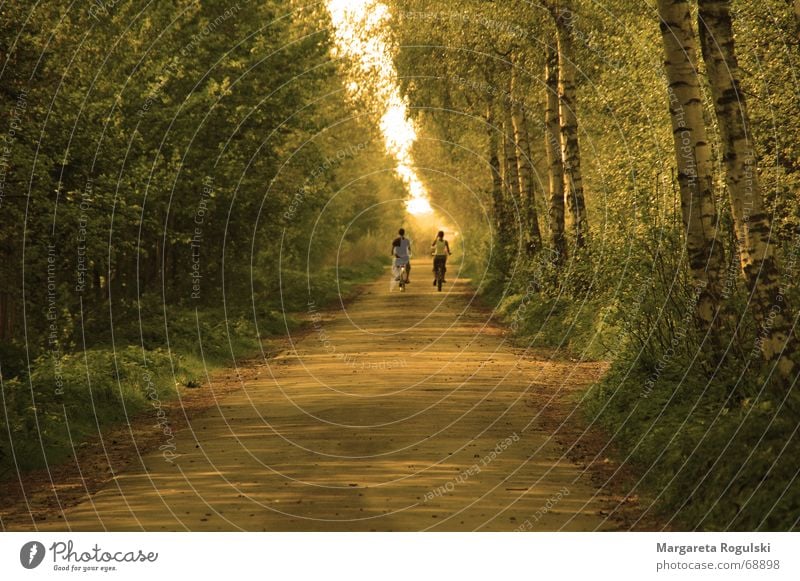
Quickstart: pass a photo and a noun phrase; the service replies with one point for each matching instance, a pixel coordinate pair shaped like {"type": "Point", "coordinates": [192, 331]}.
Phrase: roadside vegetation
{"type": "Point", "coordinates": [180, 180]}
{"type": "Point", "coordinates": [634, 184]}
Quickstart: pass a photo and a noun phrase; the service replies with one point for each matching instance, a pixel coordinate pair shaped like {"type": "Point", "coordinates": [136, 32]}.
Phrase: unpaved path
{"type": "Point", "coordinates": [401, 412]}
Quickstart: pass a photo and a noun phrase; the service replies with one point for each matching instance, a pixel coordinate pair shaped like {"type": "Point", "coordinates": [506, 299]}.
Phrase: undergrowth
{"type": "Point", "coordinates": [707, 431]}
{"type": "Point", "coordinates": [155, 351]}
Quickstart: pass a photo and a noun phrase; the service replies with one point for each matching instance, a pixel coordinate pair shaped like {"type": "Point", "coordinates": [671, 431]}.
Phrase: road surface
{"type": "Point", "coordinates": [400, 412]}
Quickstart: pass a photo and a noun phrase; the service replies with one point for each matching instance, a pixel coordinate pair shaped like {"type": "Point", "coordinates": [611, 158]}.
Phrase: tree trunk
{"type": "Point", "coordinates": [497, 179]}
{"type": "Point", "coordinates": [511, 173]}
{"type": "Point", "coordinates": [555, 167]}
{"type": "Point", "coordinates": [797, 14]}
{"type": "Point", "coordinates": [533, 237]}
{"type": "Point", "coordinates": [5, 317]}
{"type": "Point", "coordinates": [570, 150]}
{"type": "Point", "coordinates": [693, 157]}
{"type": "Point", "coordinates": [752, 223]}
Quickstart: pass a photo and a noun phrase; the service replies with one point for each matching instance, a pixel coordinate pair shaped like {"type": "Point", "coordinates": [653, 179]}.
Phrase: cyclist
{"type": "Point", "coordinates": [441, 250]}
{"type": "Point", "coordinates": [401, 250]}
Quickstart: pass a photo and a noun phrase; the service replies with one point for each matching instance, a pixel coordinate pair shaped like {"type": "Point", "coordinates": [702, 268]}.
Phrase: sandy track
{"type": "Point", "coordinates": [401, 412]}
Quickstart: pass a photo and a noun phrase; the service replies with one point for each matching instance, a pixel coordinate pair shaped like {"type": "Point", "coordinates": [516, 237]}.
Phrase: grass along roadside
{"type": "Point", "coordinates": [64, 402]}
{"type": "Point", "coordinates": [564, 330]}
{"type": "Point", "coordinates": [705, 447]}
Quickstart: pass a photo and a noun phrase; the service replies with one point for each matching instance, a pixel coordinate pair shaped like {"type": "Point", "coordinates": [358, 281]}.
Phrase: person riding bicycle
{"type": "Point", "coordinates": [441, 250]}
{"type": "Point", "coordinates": [401, 250]}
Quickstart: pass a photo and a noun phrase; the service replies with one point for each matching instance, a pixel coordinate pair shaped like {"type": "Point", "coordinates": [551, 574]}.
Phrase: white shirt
{"type": "Point", "coordinates": [404, 250]}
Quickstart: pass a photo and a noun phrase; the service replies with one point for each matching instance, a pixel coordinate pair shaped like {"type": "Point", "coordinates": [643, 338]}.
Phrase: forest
{"type": "Point", "coordinates": [180, 180]}
{"type": "Point", "coordinates": [133, 217]}
{"type": "Point", "coordinates": [644, 168]}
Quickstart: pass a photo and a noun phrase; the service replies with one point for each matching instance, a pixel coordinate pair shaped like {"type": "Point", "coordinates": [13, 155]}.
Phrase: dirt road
{"type": "Point", "coordinates": [401, 412]}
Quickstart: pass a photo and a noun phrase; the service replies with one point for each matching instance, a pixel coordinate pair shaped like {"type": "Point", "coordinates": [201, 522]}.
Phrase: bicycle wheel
{"type": "Point", "coordinates": [439, 275]}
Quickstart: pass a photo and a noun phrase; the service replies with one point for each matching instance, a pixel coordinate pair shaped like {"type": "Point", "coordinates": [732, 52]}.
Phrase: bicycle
{"type": "Point", "coordinates": [439, 267]}
{"type": "Point", "coordinates": [401, 277]}
{"type": "Point", "coordinates": [439, 274]}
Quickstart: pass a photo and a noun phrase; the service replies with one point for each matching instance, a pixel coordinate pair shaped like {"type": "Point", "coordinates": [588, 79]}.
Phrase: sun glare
{"type": "Point", "coordinates": [418, 206]}
{"type": "Point", "coordinates": [360, 35]}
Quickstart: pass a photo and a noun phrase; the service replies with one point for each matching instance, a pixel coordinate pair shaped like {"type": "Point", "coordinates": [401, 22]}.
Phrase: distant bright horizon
{"type": "Point", "coordinates": [360, 35]}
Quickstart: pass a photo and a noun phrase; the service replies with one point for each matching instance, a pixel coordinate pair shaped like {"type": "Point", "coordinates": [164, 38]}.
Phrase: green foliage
{"type": "Point", "coordinates": [190, 174]}
{"type": "Point", "coordinates": [69, 398]}
{"type": "Point", "coordinates": [766, 37]}
{"type": "Point", "coordinates": [693, 421]}
{"type": "Point", "coordinates": [714, 461]}
{"type": "Point", "coordinates": [181, 176]}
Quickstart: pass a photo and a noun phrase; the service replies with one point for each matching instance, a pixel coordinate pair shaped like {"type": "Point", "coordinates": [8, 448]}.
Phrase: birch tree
{"type": "Point", "coordinates": [693, 157]}
{"type": "Point", "coordinates": [525, 170]}
{"type": "Point", "coordinates": [511, 172]}
{"type": "Point", "coordinates": [568, 119]}
{"type": "Point", "coordinates": [555, 168]}
{"type": "Point", "coordinates": [752, 223]}
{"type": "Point", "coordinates": [493, 142]}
